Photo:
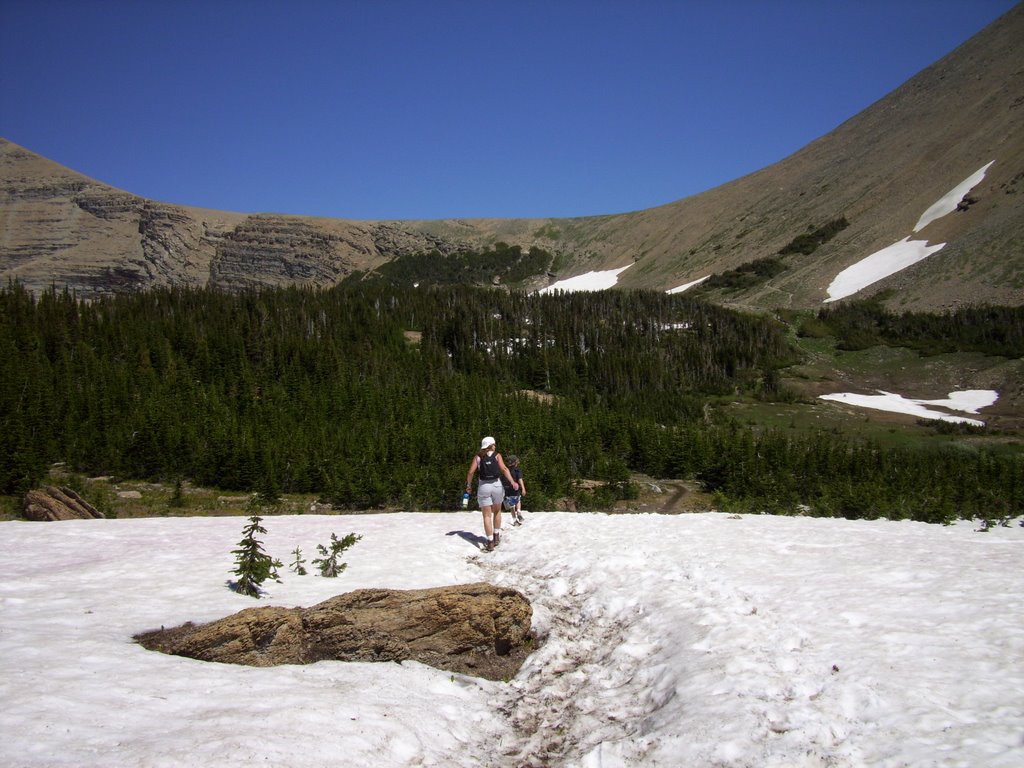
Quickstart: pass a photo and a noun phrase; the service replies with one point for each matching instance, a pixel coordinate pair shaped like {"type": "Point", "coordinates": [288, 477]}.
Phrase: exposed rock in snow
{"type": "Point", "coordinates": [949, 201]}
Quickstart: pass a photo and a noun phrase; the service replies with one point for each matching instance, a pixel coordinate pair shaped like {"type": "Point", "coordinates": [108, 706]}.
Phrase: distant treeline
{"type": "Point", "coordinates": [865, 324]}
{"type": "Point", "coordinates": [375, 394]}
{"type": "Point", "coordinates": [506, 264]}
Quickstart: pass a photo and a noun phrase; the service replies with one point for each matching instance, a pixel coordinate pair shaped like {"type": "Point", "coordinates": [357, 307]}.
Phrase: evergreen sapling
{"type": "Point", "coordinates": [298, 565]}
{"type": "Point", "coordinates": [328, 560]}
{"type": "Point", "coordinates": [253, 566]}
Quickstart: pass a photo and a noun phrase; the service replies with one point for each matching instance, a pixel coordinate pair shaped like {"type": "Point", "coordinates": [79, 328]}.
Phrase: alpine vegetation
{"type": "Point", "coordinates": [298, 564]}
{"type": "Point", "coordinates": [253, 566]}
{"type": "Point", "coordinates": [366, 395]}
{"type": "Point", "coordinates": [328, 560]}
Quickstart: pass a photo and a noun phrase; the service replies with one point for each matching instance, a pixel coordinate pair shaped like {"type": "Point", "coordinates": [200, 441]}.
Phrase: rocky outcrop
{"type": "Point", "coordinates": [284, 249]}
{"type": "Point", "coordinates": [53, 503]}
{"type": "Point", "coordinates": [474, 629]}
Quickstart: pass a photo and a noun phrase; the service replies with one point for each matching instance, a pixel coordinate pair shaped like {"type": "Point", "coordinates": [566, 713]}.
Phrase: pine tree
{"type": "Point", "coordinates": [253, 566]}
{"type": "Point", "coordinates": [328, 560]}
{"type": "Point", "coordinates": [298, 565]}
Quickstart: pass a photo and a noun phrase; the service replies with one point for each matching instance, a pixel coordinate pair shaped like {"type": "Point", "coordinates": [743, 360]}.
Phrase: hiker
{"type": "Point", "coordinates": [514, 498]}
{"type": "Point", "coordinates": [490, 492]}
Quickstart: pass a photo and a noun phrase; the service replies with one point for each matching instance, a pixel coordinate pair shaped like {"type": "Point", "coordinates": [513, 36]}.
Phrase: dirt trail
{"type": "Point", "coordinates": [673, 500]}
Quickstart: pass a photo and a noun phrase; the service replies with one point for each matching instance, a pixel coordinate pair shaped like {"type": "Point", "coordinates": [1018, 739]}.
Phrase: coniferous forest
{"type": "Point", "coordinates": [376, 394]}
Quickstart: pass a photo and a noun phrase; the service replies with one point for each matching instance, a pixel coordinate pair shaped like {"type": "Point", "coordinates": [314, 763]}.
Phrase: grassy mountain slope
{"type": "Point", "coordinates": [881, 170]}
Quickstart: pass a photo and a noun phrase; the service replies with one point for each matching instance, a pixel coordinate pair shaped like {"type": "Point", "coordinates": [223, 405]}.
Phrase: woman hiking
{"type": "Point", "coordinates": [489, 491]}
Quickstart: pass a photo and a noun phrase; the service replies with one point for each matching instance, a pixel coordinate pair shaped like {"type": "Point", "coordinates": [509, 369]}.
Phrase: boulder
{"type": "Point", "coordinates": [474, 629]}
{"type": "Point", "coordinates": [53, 503]}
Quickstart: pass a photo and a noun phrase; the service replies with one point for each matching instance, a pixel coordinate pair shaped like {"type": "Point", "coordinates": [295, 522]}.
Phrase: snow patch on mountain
{"type": "Point", "coordinates": [878, 265]}
{"type": "Point", "coordinates": [591, 281]}
{"type": "Point", "coordinates": [906, 252]}
{"type": "Point", "coordinates": [965, 401]}
{"type": "Point", "coordinates": [687, 286]}
{"type": "Point", "coordinates": [948, 202]}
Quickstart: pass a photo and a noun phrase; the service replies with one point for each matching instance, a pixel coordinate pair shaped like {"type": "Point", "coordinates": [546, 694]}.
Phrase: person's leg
{"type": "Point", "coordinates": [499, 502]}
{"type": "Point", "coordinates": [496, 522]}
{"type": "Point", "coordinates": [488, 522]}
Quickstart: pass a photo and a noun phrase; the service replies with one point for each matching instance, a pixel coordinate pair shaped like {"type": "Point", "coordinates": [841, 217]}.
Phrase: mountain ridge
{"type": "Point", "coordinates": [880, 170]}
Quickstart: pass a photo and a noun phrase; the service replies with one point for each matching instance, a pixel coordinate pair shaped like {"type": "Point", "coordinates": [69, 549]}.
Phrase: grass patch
{"type": "Point", "coordinates": [120, 498]}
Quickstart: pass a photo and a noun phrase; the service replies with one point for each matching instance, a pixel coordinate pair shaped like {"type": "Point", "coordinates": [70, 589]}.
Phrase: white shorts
{"type": "Point", "coordinates": [490, 494]}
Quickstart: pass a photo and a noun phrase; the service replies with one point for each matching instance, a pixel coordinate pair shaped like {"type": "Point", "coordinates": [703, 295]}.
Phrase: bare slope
{"type": "Point", "coordinates": [880, 170]}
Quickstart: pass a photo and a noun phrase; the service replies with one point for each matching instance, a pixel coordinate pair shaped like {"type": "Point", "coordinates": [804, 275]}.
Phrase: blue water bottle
{"type": "Point", "coordinates": [465, 500]}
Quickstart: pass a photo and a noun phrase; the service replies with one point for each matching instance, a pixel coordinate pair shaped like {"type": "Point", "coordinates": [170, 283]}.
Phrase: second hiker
{"type": "Point", "coordinates": [514, 496]}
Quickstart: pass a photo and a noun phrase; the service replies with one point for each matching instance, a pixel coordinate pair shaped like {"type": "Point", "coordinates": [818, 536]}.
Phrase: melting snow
{"type": "Point", "coordinates": [591, 281]}
{"type": "Point", "coordinates": [906, 252]}
{"type": "Point", "coordinates": [878, 265]}
{"type": "Point", "coordinates": [966, 401]}
{"type": "Point", "coordinates": [948, 202]}
{"type": "Point", "coordinates": [685, 640]}
{"type": "Point", "coordinates": [687, 286]}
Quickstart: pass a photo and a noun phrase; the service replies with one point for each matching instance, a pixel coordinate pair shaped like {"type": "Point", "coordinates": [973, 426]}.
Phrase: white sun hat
{"type": "Point", "coordinates": [487, 441]}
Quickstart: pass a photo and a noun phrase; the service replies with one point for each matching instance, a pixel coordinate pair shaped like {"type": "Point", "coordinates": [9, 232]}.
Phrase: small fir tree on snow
{"type": "Point", "coordinates": [253, 566]}
{"type": "Point", "coordinates": [298, 564]}
{"type": "Point", "coordinates": [328, 561]}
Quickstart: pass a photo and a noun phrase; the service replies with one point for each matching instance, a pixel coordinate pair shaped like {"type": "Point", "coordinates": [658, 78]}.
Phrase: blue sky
{"type": "Point", "coordinates": [438, 109]}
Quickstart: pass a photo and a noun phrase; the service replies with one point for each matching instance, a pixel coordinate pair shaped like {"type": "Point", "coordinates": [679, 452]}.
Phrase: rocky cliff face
{"type": "Point", "coordinates": [60, 228]}
{"type": "Point", "coordinates": [880, 170]}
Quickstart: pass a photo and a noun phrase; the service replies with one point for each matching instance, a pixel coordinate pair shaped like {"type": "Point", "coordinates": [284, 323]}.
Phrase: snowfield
{"type": "Point", "coordinates": [949, 201]}
{"type": "Point", "coordinates": [966, 401]}
{"type": "Point", "coordinates": [906, 252]}
{"type": "Point", "coordinates": [591, 281]}
{"type": "Point", "coordinates": [879, 265]}
{"type": "Point", "coordinates": [691, 640]}
{"type": "Point", "coordinates": [687, 286]}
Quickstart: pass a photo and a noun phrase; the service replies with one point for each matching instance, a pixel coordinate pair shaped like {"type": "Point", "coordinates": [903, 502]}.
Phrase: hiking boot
{"type": "Point", "coordinates": [488, 546]}
{"type": "Point", "coordinates": [497, 540]}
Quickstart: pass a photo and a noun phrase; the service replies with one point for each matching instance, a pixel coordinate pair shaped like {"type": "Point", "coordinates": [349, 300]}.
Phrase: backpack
{"type": "Point", "coordinates": [489, 471]}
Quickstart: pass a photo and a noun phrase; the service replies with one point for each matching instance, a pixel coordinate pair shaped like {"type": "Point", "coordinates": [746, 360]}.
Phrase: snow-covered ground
{"type": "Point", "coordinates": [949, 201]}
{"type": "Point", "coordinates": [965, 401]}
{"type": "Point", "coordinates": [691, 640]}
{"type": "Point", "coordinates": [687, 286]}
{"type": "Point", "coordinates": [906, 252]}
{"type": "Point", "coordinates": [591, 281]}
{"type": "Point", "coordinates": [878, 265]}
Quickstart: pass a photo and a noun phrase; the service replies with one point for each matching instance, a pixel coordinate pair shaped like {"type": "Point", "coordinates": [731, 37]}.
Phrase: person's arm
{"type": "Point", "coordinates": [472, 471]}
{"type": "Point", "coordinates": [522, 486]}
